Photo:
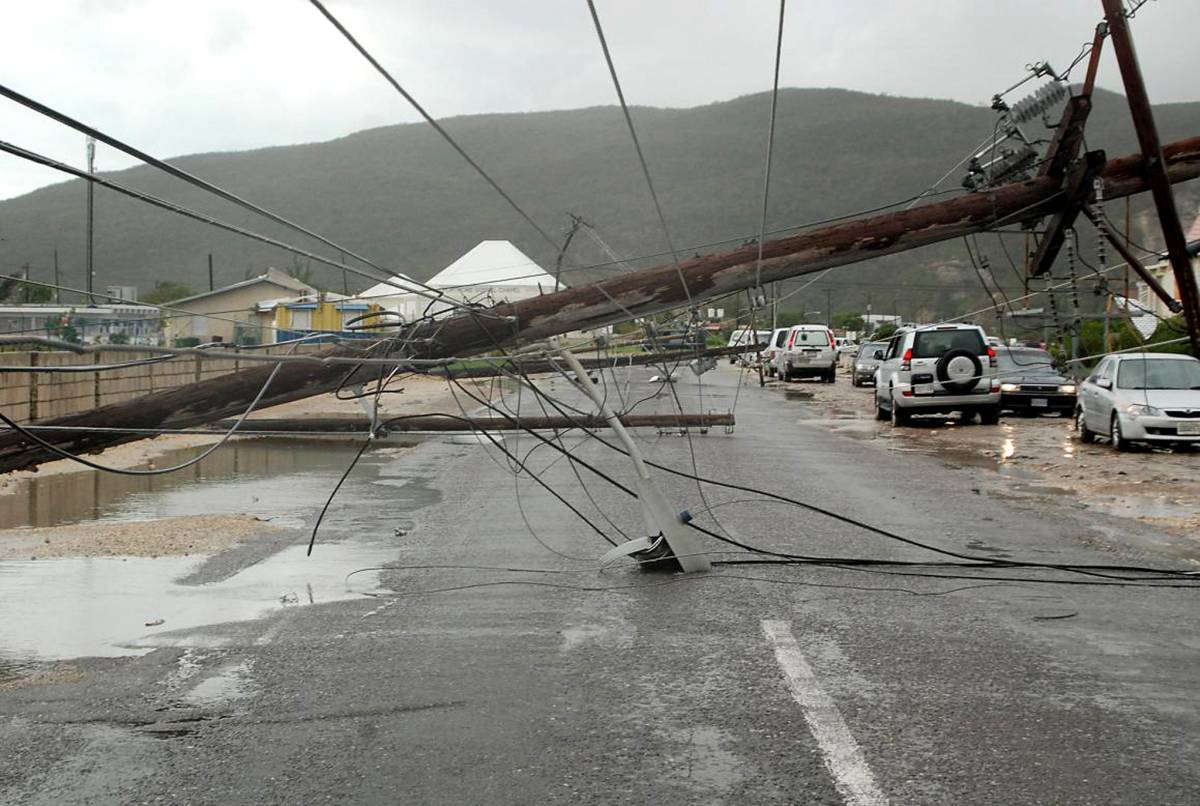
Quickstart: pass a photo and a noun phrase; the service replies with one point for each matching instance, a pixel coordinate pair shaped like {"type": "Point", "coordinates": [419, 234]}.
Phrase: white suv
{"type": "Point", "coordinates": [778, 339]}
{"type": "Point", "coordinates": [808, 350]}
{"type": "Point", "coordinates": [938, 369]}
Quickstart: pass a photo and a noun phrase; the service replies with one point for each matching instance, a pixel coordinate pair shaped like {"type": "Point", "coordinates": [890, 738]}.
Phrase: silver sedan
{"type": "Point", "coordinates": [1141, 397]}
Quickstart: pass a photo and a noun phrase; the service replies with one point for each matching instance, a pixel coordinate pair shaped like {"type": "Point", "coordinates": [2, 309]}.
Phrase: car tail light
{"type": "Point", "coordinates": [832, 343]}
{"type": "Point", "coordinates": [991, 357]}
{"type": "Point", "coordinates": [906, 362]}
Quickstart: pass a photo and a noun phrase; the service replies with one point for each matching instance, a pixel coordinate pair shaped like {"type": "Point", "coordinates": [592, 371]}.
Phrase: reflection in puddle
{"type": "Point", "coordinates": [1007, 450]}
{"type": "Point", "coordinates": [215, 486]}
{"type": "Point", "coordinates": [112, 606]}
{"type": "Point", "coordinates": [231, 682]}
{"type": "Point", "coordinates": [101, 606]}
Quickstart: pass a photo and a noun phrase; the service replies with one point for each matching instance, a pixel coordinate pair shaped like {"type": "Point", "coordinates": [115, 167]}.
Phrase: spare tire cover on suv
{"type": "Point", "coordinates": [959, 370]}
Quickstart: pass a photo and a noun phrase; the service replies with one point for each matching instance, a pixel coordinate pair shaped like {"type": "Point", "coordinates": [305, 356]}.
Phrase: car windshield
{"type": "Point", "coordinates": [811, 338]}
{"type": "Point", "coordinates": [868, 350]}
{"type": "Point", "coordinates": [1158, 373]}
{"type": "Point", "coordinates": [936, 343]}
{"type": "Point", "coordinates": [1025, 362]}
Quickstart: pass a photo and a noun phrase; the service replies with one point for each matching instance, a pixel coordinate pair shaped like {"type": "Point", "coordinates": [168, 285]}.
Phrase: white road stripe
{"type": "Point", "coordinates": [851, 775]}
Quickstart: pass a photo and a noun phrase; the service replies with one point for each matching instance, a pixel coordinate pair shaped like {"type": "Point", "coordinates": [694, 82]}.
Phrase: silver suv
{"type": "Point", "coordinates": [808, 350]}
{"type": "Point", "coordinates": [938, 369]}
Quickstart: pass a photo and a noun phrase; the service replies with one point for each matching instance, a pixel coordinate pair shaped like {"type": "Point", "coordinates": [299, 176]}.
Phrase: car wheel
{"type": "Point", "coordinates": [989, 415]}
{"type": "Point", "coordinates": [1116, 437]}
{"type": "Point", "coordinates": [899, 416]}
{"type": "Point", "coordinates": [833, 375]}
{"type": "Point", "coordinates": [1086, 435]}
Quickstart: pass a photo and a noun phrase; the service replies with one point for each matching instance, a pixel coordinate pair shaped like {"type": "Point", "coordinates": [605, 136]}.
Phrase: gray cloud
{"type": "Point", "coordinates": [179, 78]}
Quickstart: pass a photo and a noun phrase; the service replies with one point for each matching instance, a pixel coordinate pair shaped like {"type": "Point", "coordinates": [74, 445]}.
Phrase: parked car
{"type": "Point", "coordinates": [778, 338]}
{"type": "Point", "coordinates": [1141, 397]}
{"type": "Point", "coordinates": [746, 336]}
{"type": "Point", "coordinates": [938, 369]}
{"type": "Point", "coordinates": [866, 362]}
{"type": "Point", "coordinates": [689, 339]}
{"type": "Point", "coordinates": [1030, 385]}
{"type": "Point", "coordinates": [809, 350]}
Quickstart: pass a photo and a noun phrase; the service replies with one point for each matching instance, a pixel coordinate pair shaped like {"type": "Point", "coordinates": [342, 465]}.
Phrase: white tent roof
{"type": "Point", "coordinates": [389, 289]}
{"type": "Point", "coordinates": [493, 263]}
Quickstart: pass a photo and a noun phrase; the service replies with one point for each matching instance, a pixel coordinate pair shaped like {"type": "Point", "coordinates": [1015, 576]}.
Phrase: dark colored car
{"type": "Point", "coordinates": [1030, 384]}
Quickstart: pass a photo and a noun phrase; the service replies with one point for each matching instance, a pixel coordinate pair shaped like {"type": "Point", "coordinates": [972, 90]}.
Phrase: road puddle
{"type": "Point", "coordinates": [112, 606]}
{"type": "Point", "coordinates": [255, 476]}
{"type": "Point", "coordinates": [108, 606]}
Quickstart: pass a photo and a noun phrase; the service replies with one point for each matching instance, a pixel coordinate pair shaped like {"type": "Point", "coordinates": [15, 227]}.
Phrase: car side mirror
{"type": "Point", "coordinates": [1104, 383]}
{"type": "Point", "coordinates": [878, 355]}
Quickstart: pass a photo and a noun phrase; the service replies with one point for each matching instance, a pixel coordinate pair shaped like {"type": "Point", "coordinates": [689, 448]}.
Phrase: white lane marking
{"type": "Point", "coordinates": [851, 775]}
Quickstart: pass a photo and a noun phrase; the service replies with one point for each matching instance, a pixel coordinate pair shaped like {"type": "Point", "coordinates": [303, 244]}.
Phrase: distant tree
{"type": "Point", "coordinates": [1169, 330]}
{"type": "Point", "coordinates": [62, 329]}
{"type": "Point", "coordinates": [300, 270]}
{"type": "Point", "coordinates": [120, 337]}
{"type": "Point", "coordinates": [848, 320]}
{"type": "Point", "coordinates": [167, 291]}
{"type": "Point", "coordinates": [27, 293]}
{"type": "Point", "coordinates": [884, 331]}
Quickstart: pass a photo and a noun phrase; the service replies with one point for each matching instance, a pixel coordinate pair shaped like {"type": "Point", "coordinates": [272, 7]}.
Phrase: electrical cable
{"type": "Point", "coordinates": [179, 209]}
{"type": "Point", "coordinates": [379, 68]}
{"type": "Point", "coordinates": [191, 179]}
{"type": "Point", "coordinates": [637, 145]}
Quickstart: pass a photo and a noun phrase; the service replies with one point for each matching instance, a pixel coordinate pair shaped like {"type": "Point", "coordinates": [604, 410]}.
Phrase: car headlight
{"type": "Point", "coordinates": [1142, 410]}
{"type": "Point", "coordinates": [862, 366]}
{"type": "Point", "coordinates": [1010, 387]}
{"type": "Point", "coordinates": [1067, 388]}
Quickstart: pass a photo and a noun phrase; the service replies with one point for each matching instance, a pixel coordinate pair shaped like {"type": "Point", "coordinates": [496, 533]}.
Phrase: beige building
{"type": "Point", "coordinates": [1162, 272]}
{"type": "Point", "coordinates": [231, 314]}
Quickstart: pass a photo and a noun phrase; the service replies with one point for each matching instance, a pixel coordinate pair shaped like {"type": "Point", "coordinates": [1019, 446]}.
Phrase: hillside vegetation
{"type": "Point", "coordinates": [401, 196]}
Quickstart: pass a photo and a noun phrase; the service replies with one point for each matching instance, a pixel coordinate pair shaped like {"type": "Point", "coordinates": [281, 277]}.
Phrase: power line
{"type": "Point", "coordinates": [430, 120]}
{"type": "Point", "coordinates": [173, 207]}
{"type": "Point", "coordinates": [612, 71]}
{"type": "Point", "coordinates": [762, 225]}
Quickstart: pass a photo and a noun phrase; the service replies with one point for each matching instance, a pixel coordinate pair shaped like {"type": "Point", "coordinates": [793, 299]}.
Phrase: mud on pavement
{"type": "Point", "coordinates": [1032, 457]}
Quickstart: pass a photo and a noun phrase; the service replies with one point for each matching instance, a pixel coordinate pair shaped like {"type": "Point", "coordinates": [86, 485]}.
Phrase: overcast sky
{"type": "Point", "coordinates": [175, 77]}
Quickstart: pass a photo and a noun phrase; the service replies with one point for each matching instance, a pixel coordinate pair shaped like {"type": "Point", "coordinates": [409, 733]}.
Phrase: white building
{"type": "Point", "coordinates": [491, 273]}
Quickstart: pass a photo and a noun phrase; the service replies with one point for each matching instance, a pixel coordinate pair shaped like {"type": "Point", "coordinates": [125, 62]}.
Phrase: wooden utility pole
{"type": "Point", "coordinates": [57, 284]}
{"type": "Point", "coordinates": [598, 304]}
{"type": "Point", "coordinates": [210, 272]}
{"type": "Point", "coordinates": [1156, 174]}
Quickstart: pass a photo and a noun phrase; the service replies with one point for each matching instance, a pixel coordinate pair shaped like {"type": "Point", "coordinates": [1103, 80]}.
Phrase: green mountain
{"type": "Point", "coordinates": [402, 197]}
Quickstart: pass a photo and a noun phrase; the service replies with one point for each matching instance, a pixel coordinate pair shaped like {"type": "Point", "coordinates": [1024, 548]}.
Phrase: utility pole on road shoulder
{"type": "Point", "coordinates": [91, 194]}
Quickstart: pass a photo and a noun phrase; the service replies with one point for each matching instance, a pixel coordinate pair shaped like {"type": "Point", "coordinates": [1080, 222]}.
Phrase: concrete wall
{"type": "Point", "coordinates": [35, 396]}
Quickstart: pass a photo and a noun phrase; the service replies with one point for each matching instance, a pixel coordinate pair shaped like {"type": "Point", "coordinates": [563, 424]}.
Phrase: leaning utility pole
{"type": "Point", "coordinates": [598, 304]}
{"type": "Point", "coordinates": [91, 193]}
{"type": "Point", "coordinates": [1156, 175]}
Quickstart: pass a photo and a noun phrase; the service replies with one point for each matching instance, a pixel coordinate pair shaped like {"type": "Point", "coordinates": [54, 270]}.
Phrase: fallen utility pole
{"type": "Point", "coordinates": [522, 366]}
{"type": "Point", "coordinates": [1156, 173]}
{"type": "Point", "coordinates": [598, 304]}
{"type": "Point", "coordinates": [434, 422]}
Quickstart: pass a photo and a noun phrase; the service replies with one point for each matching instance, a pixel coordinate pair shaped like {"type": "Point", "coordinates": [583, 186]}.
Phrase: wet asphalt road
{"type": "Point", "coordinates": [664, 688]}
